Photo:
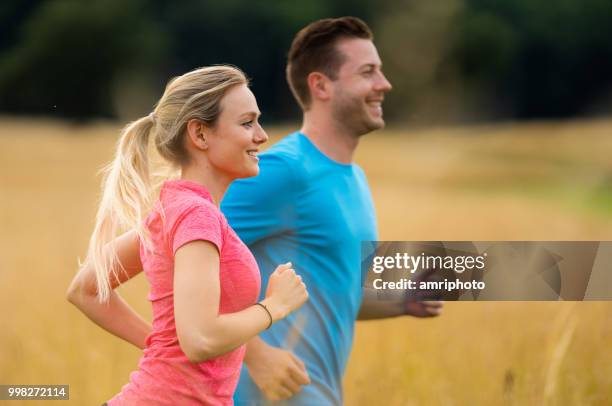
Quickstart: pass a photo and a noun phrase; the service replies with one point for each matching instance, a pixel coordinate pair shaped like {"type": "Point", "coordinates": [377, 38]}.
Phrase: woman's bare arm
{"type": "Point", "coordinates": [202, 332]}
{"type": "Point", "coordinates": [115, 316]}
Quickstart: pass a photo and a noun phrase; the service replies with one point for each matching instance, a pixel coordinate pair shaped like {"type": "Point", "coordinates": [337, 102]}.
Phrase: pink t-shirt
{"type": "Point", "coordinates": [165, 376]}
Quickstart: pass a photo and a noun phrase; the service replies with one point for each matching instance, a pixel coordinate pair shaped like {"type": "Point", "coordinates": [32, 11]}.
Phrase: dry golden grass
{"type": "Point", "coordinates": [547, 181]}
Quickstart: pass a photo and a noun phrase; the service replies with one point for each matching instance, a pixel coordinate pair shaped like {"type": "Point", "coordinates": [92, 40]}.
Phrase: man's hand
{"type": "Point", "coordinates": [277, 373]}
{"type": "Point", "coordinates": [417, 302]}
{"type": "Point", "coordinates": [431, 308]}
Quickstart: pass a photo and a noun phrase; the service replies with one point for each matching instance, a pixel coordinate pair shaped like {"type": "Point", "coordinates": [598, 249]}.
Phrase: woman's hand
{"type": "Point", "coordinates": [285, 292]}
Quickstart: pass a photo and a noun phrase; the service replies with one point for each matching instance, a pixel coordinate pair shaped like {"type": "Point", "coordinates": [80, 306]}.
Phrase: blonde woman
{"type": "Point", "coordinates": [204, 282]}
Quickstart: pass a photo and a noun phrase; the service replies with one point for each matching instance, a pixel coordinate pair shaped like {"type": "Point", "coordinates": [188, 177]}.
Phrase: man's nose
{"type": "Point", "coordinates": [383, 84]}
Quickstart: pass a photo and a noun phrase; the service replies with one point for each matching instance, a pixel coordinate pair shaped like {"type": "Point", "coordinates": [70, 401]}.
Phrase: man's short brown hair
{"type": "Point", "coordinates": [314, 50]}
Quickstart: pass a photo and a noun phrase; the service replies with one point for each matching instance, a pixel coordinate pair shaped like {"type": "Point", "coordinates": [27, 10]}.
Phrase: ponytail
{"type": "Point", "coordinates": [126, 196]}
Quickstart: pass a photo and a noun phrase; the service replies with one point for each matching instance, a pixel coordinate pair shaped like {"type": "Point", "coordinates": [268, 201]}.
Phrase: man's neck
{"type": "Point", "coordinates": [331, 138]}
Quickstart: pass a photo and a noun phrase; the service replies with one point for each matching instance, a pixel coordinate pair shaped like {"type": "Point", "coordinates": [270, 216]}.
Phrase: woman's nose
{"type": "Point", "coordinates": [260, 135]}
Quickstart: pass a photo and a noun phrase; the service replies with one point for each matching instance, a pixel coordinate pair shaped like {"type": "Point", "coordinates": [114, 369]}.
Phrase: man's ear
{"type": "Point", "coordinates": [319, 85]}
{"type": "Point", "coordinates": [197, 133]}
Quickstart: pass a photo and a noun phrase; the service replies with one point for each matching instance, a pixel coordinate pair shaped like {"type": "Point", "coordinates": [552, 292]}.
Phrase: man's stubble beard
{"type": "Point", "coordinates": [349, 112]}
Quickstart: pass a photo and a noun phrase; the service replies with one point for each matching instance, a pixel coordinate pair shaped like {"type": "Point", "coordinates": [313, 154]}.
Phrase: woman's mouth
{"type": "Point", "coordinates": [253, 154]}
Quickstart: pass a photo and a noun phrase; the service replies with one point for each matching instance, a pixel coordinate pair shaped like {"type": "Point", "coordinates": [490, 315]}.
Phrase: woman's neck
{"type": "Point", "coordinates": [205, 175]}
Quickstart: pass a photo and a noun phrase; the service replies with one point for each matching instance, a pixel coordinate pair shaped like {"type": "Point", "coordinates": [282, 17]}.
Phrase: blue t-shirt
{"type": "Point", "coordinates": [305, 208]}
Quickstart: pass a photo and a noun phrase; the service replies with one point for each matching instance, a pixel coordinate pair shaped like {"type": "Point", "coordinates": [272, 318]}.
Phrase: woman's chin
{"type": "Point", "coordinates": [250, 172]}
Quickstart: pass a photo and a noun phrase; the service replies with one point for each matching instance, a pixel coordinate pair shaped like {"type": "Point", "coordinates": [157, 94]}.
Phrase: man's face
{"type": "Point", "coordinates": [360, 87]}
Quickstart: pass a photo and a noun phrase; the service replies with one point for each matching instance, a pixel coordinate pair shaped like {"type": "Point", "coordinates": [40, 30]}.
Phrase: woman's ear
{"type": "Point", "coordinates": [197, 133]}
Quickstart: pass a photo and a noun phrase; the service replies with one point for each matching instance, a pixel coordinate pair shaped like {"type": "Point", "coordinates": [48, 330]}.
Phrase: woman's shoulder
{"type": "Point", "coordinates": [182, 207]}
{"type": "Point", "coordinates": [194, 212]}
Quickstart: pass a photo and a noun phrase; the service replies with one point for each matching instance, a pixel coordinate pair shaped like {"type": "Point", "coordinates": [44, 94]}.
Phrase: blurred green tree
{"type": "Point", "coordinates": [449, 60]}
{"type": "Point", "coordinates": [481, 59]}
{"type": "Point", "coordinates": [80, 59]}
{"type": "Point", "coordinates": [69, 52]}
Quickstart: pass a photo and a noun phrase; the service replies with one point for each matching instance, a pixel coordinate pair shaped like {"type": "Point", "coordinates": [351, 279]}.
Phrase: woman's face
{"type": "Point", "coordinates": [234, 142]}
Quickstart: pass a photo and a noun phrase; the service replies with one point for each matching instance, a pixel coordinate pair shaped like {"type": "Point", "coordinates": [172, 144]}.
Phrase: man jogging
{"type": "Point", "coordinates": [311, 205]}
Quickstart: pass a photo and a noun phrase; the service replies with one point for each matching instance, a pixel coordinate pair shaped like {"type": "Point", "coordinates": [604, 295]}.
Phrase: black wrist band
{"type": "Point", "coordinates": [267, 311]}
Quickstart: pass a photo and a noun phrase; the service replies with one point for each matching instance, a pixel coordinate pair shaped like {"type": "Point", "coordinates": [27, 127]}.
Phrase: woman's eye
{"type": "Point", "coordinates": [248, 124]}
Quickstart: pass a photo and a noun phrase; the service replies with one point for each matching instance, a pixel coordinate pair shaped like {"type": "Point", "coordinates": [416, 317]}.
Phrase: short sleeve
{"type": "Point", "coordinates": [200, 222]}
{"type": "Point", "coordinates": [262, 206]}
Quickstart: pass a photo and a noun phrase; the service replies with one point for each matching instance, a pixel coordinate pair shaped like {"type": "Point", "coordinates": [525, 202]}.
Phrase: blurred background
{"type": "Point", "coordinates": [499, 128]}
{"type": "Point", "coordinates": [450, 60]}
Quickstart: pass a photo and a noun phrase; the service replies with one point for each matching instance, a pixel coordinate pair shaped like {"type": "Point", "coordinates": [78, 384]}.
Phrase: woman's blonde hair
{"type": "Point", "coordinates": [127, 192]}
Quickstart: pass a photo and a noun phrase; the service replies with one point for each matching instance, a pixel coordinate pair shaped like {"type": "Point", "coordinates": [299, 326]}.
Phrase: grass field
{"type": "Point", "coordinates": [541, 181]}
